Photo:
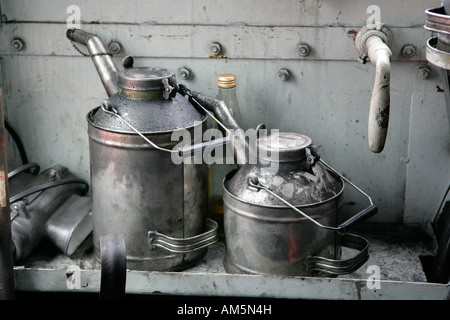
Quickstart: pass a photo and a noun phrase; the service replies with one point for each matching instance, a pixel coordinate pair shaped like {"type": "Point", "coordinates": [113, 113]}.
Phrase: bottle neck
{"type": "Point", "coordinates": [227, 91]}
{"type": "Point", "coordinates": [228, 95]}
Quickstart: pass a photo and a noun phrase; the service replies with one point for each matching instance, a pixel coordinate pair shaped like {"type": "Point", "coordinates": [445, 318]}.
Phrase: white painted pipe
{"type": "Point", "coordinates": [380, 56]}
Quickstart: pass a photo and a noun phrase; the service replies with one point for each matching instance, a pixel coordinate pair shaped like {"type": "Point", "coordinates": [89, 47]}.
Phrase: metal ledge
{"type": "Point", "coordinates": [394, 250]}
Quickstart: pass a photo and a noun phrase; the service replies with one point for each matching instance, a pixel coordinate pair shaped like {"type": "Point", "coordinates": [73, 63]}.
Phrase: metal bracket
{"type": "Point", "coordinates": [167, 88]}
{"type": "Point", "coordinates": [184, 245]}
{"type": "Point", "coordinates": [364, 33]}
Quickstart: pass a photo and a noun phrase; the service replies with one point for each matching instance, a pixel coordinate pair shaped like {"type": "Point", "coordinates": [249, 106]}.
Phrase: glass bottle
{"type": "Point", "coordinates": [226, 84]}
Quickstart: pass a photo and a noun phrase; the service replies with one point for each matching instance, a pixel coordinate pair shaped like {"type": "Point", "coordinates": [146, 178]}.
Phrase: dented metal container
{"type": "Point", "coordinates": [283, 219]}
{"type": "Point", "coordinates": [138, 190]}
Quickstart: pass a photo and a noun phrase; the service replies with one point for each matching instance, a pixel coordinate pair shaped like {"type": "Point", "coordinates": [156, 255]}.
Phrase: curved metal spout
{"type": "Point", "coordinates": [374, 44]}
{"type": "Point", "coordinates": [243, 150]}
{"type": "Point", "coordinates": [102, 59]}
{"type": "Point", "coordinates": [380, 56]}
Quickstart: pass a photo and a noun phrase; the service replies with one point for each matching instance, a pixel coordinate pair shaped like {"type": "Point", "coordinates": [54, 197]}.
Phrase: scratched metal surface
{"type": "Point", "coordinates": [402, 275]}
{"type": "Point", "coordinates": [49, 89]}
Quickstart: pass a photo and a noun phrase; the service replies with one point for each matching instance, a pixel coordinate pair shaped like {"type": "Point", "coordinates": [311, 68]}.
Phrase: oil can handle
{"type": "Point", "coordinates": [184, 245]}
{"type": "Point", "coordinates": [182, 152]}
{"type": "Point", "coordinates": [362, 215]}
{"type": "Point", "coordinates": [346, 266]}
{"type": "Point", "coordinates": [357, 218]}
{"type": "Point", "coordinates": [346, 180]}
{"type": "Point", "coordinates": [188, 151]}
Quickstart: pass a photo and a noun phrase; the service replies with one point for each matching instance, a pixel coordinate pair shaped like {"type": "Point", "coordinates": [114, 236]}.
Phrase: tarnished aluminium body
{"type": "Point", "coordinates": [273, 239]}
{"type": "Point", "coordinates": [131, 199]}
{"type": "Point", "coordinates": [137, 188]}
{"type": "Point", "coordinates": [159, 205]}
{"type": "Point", "coordinates": [264, 235]}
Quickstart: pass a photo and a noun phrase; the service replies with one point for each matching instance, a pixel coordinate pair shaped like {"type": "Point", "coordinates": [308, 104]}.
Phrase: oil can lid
{"type": "Point", "coordinates": [144, 83]}
{"type": "Point", "coordinates": [291, 171]}
{"type": "Point", "coordinates": [283, 147]}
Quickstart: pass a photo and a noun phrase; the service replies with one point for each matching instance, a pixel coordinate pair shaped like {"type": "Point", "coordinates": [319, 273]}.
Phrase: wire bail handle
{"type": "Point", "coordinates": [109, 109]}
{"type": "Point", "coordinates": [343, 228]}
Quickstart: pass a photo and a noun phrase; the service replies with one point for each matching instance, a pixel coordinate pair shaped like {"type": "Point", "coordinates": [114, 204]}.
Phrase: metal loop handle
{"type": "Point", "coordinates": [253, 181]}
{"type": "Point", "coordinates": [109, 109]}
{"type": "Point", "coordinates": [187, 92]}
{"type": "Point", "coordinates": [348, 181]}
{"type": "Point", "coordinates": [48, 185]}
{"type": "Point", "coordinates": [25, 167]}
{"type": "Point", "coordinates": [181, 152]}
{"type": "Point", "coordinates": [341, 267]}
{"type": "Point", "coordinates": [184, 245]}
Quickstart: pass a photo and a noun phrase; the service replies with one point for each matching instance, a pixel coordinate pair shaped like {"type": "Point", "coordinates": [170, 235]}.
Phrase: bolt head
{"type": "Point", "coordinates": [215, 48]}
{"type": "Point", "coordinates": [408, 50]}
{"type": "Point", "coordinates": [184, 73]}
{"type": "Point", "coordinates": [18, 44]}
{"type": "Point", "coordinates": [424, 72]}
{"type": "Point", "coordinates": [283, 74]}
{"type": "Point", "coordinates": [115, 47]}
{"type": "Point", "coordinates": [303, 50]}
{"type": "Point", "coordinates": [52, 173]}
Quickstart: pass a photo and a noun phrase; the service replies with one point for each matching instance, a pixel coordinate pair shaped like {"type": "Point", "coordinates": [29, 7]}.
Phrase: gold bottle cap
{"type": "Point", "coordinates": [226, 81]}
